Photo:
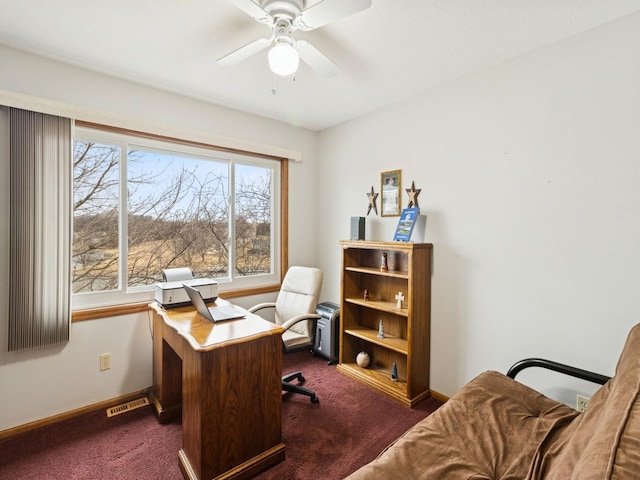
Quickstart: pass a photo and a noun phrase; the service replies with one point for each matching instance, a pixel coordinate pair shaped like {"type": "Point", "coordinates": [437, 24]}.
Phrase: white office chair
{"type": "Point", "coordinates": [295, 310]}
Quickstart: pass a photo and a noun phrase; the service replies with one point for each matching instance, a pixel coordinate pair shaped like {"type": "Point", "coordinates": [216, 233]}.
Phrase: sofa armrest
{"type": "Point", "coordinates": [557, 367]}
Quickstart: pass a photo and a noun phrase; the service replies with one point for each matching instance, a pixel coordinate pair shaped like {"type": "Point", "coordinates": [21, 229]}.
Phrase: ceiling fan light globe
{"type": "Point", "coordinates": [283, 59]}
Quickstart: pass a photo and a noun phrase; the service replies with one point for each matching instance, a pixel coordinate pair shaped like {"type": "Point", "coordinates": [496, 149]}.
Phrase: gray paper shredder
{"type": "Point", "coordinates": [327, 331]}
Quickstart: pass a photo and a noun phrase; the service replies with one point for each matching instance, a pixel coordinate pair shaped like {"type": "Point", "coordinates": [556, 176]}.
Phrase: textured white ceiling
{"type": "Point", "coordinates": [389, 52]}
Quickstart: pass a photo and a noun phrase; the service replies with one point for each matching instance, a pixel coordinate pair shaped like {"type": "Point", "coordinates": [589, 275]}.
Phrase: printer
{"type": "Point", "coordinates": [171, 294]}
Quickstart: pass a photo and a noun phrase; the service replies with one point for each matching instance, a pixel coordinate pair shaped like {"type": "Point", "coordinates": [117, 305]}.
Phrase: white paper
{"type": "Point", "coordinates": [177, 274]}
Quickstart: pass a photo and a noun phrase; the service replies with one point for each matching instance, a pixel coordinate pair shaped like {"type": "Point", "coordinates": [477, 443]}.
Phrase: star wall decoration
{"type": "Point", "coordinates": [413, 195]}
{"type": "Point", "coordinates": [372, 201]}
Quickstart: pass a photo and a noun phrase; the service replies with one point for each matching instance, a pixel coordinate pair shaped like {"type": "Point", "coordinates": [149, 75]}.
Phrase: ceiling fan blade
{"type": "Point", "coordinates": [244, 52]}
{"type": "Point", "coordinates": [327, 11]}
{"type": "Point", "coordinates": [253, 10]}
{"type": "Point", "coordinates": [317, 60]}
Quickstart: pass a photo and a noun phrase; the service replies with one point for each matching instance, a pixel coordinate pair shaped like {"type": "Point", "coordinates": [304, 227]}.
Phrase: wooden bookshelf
{"type": "Point", "coordinates": [406, 339]}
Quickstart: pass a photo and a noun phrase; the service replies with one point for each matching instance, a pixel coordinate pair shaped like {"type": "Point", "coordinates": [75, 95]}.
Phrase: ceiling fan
{"type": "Point", "coordinates": [284, 17]}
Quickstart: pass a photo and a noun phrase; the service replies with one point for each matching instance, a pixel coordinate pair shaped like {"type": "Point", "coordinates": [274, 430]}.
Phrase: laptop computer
{"type": "Point", "coordinates": [213, 314]}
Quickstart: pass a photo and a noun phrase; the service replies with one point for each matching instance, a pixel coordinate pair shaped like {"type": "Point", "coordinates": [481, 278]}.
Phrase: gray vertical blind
{"type": "Point", "coordinates": [40, 230]}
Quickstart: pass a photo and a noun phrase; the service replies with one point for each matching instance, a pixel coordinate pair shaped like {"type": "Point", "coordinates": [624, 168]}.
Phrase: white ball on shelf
{"type": "Point", "coordinates": [363, 359]}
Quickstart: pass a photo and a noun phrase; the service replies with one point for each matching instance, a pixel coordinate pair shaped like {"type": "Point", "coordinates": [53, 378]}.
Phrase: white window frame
{"type": "Point", "coordinates": [127, 295]}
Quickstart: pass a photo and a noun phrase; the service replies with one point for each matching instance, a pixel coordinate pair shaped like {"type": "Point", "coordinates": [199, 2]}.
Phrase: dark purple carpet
{"type": "Point", "coordinates": [329, 440]}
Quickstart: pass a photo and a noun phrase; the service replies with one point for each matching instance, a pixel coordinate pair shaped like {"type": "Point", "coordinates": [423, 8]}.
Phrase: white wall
{"type": "Point", "coordinates": [38, 384]}
{"type": "Point", "coordinates": [530, 178]}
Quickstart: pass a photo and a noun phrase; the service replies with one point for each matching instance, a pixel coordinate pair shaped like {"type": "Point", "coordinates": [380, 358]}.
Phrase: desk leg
{"type": "Point", "coordinates": [166, 395]}
{"type": "Point", "coordinates": [232, 410]}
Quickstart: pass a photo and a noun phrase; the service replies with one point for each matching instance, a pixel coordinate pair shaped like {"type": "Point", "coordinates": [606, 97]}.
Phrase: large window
{"type": "Point", "coordinates": [143, 205]}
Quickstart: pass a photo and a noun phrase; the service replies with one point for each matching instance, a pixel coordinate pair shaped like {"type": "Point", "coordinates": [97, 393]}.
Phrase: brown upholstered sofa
{"type": "Point", "coordinates": [498, 428]}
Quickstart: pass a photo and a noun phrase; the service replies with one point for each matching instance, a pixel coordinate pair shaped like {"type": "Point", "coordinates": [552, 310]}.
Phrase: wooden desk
{"type": "Point", "coordinates": [225, 380]}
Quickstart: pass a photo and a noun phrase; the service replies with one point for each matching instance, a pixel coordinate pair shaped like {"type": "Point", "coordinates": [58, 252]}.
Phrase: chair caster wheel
{"type": "Point", "coordinates": [301, 379]}
{"type": "Point", "coordinates": [315, 399]}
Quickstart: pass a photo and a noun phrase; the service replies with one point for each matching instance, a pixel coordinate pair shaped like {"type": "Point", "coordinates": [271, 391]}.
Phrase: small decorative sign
{"type": "Point", "coordinates": [405, 224]}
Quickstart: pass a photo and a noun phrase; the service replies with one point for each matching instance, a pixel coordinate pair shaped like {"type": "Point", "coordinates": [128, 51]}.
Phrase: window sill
{"type": "Point", "coordinates": [126, 309]}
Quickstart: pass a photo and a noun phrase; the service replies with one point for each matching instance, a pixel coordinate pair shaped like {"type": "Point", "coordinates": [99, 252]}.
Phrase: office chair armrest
{"type": "Point", "coordinates": [260, 306]}
{"type": "Point", "coordinates": [557, 367]}
{"type": "Point", "coordinates": [299, 318]}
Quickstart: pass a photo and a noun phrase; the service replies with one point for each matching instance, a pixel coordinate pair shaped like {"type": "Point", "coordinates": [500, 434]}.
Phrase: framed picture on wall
{"type": "Point", "coordinates": [390, 193]}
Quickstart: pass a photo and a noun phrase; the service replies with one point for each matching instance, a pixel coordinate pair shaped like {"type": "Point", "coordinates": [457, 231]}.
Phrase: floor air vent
{"type": "Point", "coordinates": [126, 407]}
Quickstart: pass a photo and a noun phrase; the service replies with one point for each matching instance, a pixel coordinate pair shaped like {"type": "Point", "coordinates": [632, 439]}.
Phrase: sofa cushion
{"type": "Point", "coordinates": [604, 442]}
{"type": "Point", "coordinates": [493, 428]}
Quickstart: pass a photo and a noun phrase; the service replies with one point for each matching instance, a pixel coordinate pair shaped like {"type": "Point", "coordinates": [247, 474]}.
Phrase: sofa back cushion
{"type": "Point", "coordinates": [604, 442]}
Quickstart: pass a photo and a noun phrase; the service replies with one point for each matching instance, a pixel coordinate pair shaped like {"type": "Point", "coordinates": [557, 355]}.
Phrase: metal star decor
{"type": "Point", "coordinates": [413, 195]}
{"type": "Point", "coordinates": [372, 201]}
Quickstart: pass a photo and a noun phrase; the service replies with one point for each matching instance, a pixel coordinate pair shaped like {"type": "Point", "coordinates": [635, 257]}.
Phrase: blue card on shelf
{"type": "Point", "coordinates": [405, 224]}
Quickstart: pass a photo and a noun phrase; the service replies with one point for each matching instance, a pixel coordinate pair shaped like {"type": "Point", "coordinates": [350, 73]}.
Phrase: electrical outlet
{"type": "Point", "coordinates": [105, 361]}
{"type": "Point", "coordinates": [582, 403]}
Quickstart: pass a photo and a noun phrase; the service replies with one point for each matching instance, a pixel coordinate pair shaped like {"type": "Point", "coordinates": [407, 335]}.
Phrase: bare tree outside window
{"type": "Point", "coordinates": [95, 223]}
{"type": "Point", "coordinates": [253, 220]}
{"type": "Point", "coordinates": [178, 216]}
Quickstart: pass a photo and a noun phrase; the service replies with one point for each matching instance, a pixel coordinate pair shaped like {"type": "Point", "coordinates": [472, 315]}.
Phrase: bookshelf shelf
{"type": "Point", "coordinates": [396, 344]}
{"type": "Point", "coordinates": [389, 307]}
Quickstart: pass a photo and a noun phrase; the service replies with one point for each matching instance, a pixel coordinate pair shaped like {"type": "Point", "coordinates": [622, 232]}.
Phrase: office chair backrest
{"type": "Point", "coordinates": [298, 295]}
